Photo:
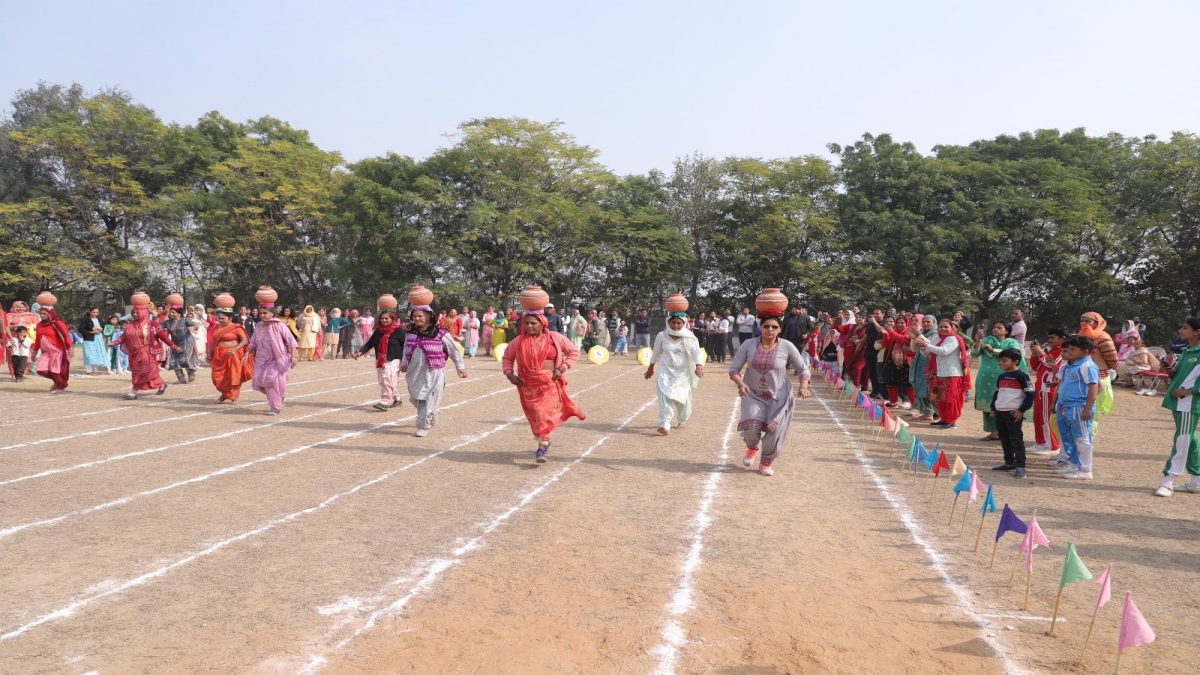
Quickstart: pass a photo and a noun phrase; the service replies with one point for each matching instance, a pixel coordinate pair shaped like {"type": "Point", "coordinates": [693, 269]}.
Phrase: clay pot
{"type": "Point", "coordinates": [139, 299]}
{"type": "Point", "coordinates": [46, 299]}
{"type": "Point", "coordinates": [677, 303]}
{"type": "Point", "coordinates": [387, 301]}
{"type": "Point", "coordinates": [224, 301]}
{"type": "Point", "coordinates": [771, 300]}
{"type": "Point", "coordinates": [534, 298]}
{"type": "Point", "coordinates": [419, 295]}
{"type": "Point", "coordinates": [266, 294]}
{"type": "Point", "coordinates": [174, 300]}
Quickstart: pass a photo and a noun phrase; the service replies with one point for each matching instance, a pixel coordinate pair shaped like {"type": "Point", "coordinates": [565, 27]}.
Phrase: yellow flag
{"type": "Point", "coordinates": [959, 467]}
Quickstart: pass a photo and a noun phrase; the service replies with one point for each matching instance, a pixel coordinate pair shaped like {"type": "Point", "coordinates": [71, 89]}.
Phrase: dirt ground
{"type": "Point", "coordinates": [174, 535]}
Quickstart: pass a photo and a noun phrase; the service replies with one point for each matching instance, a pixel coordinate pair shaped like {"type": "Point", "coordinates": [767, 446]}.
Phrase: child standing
{"type": "Point", "coordinates": [1013, 396]}
{"type": "Point", "coordinates": [19, 345]}
{"type": "Point", "coordinates": [1184, 405]}
{"type": "Point", "coordinates": [1046, 360]}
{"type": "Point", "coordinates": [1078, 388]}
{"type": "Point", "coordinates": [120, 358]}
{"type": "Point", "coordinates": [622, 340]}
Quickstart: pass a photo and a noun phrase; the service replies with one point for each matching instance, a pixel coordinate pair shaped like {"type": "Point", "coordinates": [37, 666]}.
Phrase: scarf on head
{"type": "Point", "coordinates": [60, 328]}
{"type": "Point", "coordinates": [1095, 332]}
{"type": "Point", "coordinates": [385, 334]}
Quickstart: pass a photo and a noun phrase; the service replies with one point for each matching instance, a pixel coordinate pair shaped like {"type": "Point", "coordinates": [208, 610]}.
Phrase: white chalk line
{"type": "Point", "coordinates": [436, 567]}
{"type": "Point", "coordinates": [132, 406]}
{"type": "Point", "coordinates": [116, 588]}
{"type": "Point", "coordinates": [673, 635]}
{"type": "Point", "coordinates": [9, 531]}
{"type": "Point", "coordinates": [940, 564]}
{"type": "Point", "coordinates": [139, 453]}
{"type": "Point", "coordinates": [100, 432]}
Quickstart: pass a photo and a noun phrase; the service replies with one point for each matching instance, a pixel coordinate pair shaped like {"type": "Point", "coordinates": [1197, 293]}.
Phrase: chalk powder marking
{"type": "Point", "coordinates": [123, 408]}
{"type": "Point", "coordinates": [965, 603]}
{"type": "Point", "coordinates": [117, 588]}
{"type": "Point", "coordinates": [138, 453]}
{"type": "Point", "coordinates": [9, 531]}
{"type": "Point", "coordinates": [681, 602]}
{"type": "Point", "coordinates": [438, 566]}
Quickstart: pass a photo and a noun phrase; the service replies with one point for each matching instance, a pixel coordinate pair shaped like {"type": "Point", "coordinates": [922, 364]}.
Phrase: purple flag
{"type": "Point", "coordinates": [1009, 522]}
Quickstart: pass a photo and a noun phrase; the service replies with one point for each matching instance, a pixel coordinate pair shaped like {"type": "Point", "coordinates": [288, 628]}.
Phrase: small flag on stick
{"type": "Point", "coordinates": [989, 506]}
{"type": "Point", "coordinates": [1073, 571]}
{"type": "Point", "coordinates": [960, 487]}
{"type": "Point", "coordinates": [943, 464]}
{"type": "Point", "coordinates": [1135, 632]}
{"type": "Point", "coordinates": [1033, 539]}
{"type": "Point", "coordinates": [1009, 522]}
{"type": "Point", "coordinates": [977, 486]}
{"type": "Point", "coordinates": [959, 469]}
{"type": "Point", "coordinates": [1105, 582]}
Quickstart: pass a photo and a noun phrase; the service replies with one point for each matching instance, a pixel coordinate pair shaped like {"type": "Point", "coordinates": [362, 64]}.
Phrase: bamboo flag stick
{"type": "Point", "coordinates": [979, 534]}
{"type": "Point", "coordinates": [994, 547]}
{"type": "Point", "coordinates": [952, 507]}
{"type": "Point", "coordinates": [949, 486]}
{"type": "Point", "coordinates": [1054, 618]}
{"type": "Point", "coordinates": [1118, 670]}
{"type": "Point", "coordinates": [966, 508]}
{"type": "Point", "coordinates": [1091, 625]}
{"type": "Point", "coordinates": [1028, 581]}
{"type": "Point", "coordinates": [933, 491]}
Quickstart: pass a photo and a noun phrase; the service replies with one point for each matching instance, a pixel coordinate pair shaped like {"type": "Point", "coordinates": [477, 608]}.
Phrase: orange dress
{"type": "Point", "coordinates": [228, 370]}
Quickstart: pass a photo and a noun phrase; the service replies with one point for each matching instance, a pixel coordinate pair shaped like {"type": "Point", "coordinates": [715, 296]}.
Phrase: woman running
{"type": "Point", "coordinates": [273, 347]}
{"type": "Point", "coordinates": [225, 353]}
{"type": "Point", "coordinates": [53, 347]}
{"type": "Point", "coordinates": [678, 351]}
{"type": "Point", "coordinates": [426, 349]}
{"type": "Point", "coordinates": [142, 341]}
{"type": "Point", "coordinates": [542, 358]}
{"type": "Point", "coordinates": [766, 391]}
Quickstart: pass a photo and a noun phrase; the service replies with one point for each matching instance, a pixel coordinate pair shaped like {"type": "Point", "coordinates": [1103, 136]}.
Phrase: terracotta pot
{"type": "Point", "coordinates": [46, 299]}
{"type": "Point", "coordinates": [174, 300]}
{"type": "Point", "coordinates": [139, 299]}
{"type": "Point", "coordinates": [265, 294]}
{"type": "Point", "coordinates": [224, 301]}
{"type": "Point", "coordinates": [771, 300]}
{"type": "Point", "coordinates": [677, 303]}
{"type": "Point", "coordinates": [534, 298]}
{"type": "Point", "coordinates": [419, 295]}
{"type": "Point", "coordinates": [387, 301]}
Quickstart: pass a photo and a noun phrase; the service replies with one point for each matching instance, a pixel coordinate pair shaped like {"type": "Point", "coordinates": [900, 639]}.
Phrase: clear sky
{"type": "Point", "coordinates": [641, 81]}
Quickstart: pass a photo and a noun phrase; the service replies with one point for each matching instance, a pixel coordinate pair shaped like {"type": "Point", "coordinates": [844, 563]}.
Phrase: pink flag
{"type": "Point", "coordinates": [889, 423]}
{"type": "Point", "coordinates": [1105, 582]}
{"type": "Point", "coordinates": [977, 486]}
{"type": "Point", "coordinates": [1034, 537]}
{"type": "Point", "coordinates": [1135, 632]}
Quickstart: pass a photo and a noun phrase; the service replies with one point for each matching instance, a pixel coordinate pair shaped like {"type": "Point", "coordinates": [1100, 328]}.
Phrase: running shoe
{"type": "Point", "coordinates": [161, 390]}
{"type": "Point", "coordinates": [1066, 469]}
{"type": "Point", "coordinates": [749, 458]}
{"type": "Point", "coordinates": [1079, 475]}
{"type": "Point", "coordinates": [396, 403]}
{"type": "Point", "coordinates": [380, 406]}
{"type": "Point", "coordinates": [272, 413]}
{"type": "Point", "coordinates": [540, 455]}
{"type": "Point", "coordinates": [765, 469]}
{"type": "Point", "coordinates": [1057, 461]}
{"type": "Point", "coordinates": [1164, 491]}
{"type": "Point", "coordinates": [421, 433]}
{"type": "Point", "coordinates": [1189, 487]}
{"type": "Point", "coordinates": [1019, 473]}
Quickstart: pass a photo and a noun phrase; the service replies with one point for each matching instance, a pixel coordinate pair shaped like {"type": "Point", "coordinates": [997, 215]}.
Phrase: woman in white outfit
{"type": "Point", "coordinates": [677, 351]}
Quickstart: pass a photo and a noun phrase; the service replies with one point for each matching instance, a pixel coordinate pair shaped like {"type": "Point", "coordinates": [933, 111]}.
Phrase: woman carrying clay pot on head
{"type": "Point", "coordinates": [426, 349]}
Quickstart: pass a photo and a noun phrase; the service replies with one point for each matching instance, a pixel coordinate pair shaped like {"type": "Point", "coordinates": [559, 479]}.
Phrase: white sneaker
{"type": "Point", "coordinates": [1057, 461]}
{"type": "Point", "coordinates": [1064, 470]}
{"type": "Point", "coordinates": [1046, 452]}
{"type": "Point", "coordinates": [1037, 447]}
{"type": "Point", "coordinates": [1153, 392]}
{"type": "Point", "coordinates": [906, 406]}
{"type": "Point", "coordinates": [1079, 475]}
{"type": "Point", "coordinates": [1189, 487]}
{"type": "Point", "coordinates": [421, 433]}
{"type": "Point", "coordinates": [1164, 491]}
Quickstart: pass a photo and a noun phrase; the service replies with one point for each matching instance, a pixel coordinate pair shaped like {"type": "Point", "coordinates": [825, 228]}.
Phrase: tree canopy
{"type": "Point", "coordinates": [97, 193]}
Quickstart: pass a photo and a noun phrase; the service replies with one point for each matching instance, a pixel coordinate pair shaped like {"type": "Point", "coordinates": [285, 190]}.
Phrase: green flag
{"type": "Point", "coordinates": [905, 437]}
{"type": "Point", "coordinates": [1073, 568]}
{"type": "Point", "coordinates": [912, 447]}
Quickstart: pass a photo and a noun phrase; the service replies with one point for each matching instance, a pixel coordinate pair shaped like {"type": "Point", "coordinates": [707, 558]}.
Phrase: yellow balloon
{"type": "Point", "coordinates": [598, 355]}
{"type": "Point", "coordinates": [643, 356]}
{"type": "Point", "coordinates": [498, 351]}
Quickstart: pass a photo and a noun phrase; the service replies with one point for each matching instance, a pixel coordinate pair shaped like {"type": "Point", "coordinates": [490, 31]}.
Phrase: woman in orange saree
{"type": "Point", "coordinates": [225, 353]}
{"type": "Point", "coordinates": [542, 358]}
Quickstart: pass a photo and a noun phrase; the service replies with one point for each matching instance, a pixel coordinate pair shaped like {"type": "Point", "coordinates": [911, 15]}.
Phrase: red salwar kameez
{"type": "Point", "coordinates": [53, 346]}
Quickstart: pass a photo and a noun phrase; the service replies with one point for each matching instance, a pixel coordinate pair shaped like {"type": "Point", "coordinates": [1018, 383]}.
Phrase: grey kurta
{"type": "Point", "coordinates": [425, 384]}
{"type": "Point", "coordinates": [181, 334]}
{"type": "Point", "coordinates": [767, 410]}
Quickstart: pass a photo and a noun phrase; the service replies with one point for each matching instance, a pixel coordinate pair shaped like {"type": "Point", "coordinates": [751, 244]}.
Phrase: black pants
{"type": "Point", "coordinates": [718, 349]}
{"type": "Point", "coordinates": [1011, 438]}
{"type": "Point", "coordinates": [19, 363]}
{"type": "Point", "coordinates": [875, 372]}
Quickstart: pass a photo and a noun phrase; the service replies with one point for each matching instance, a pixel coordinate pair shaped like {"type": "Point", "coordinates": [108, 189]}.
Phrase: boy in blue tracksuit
{"type": "Point", "coordinates": [1078, 387]}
